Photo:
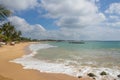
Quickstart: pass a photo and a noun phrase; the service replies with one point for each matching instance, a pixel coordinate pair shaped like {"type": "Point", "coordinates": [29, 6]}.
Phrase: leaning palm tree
{"type": "Point", "coordinates": [8, 30]}
{"type": "Point", "coordinates": [4, 13]}
{"type": "Point", "coordinates": [1, 35]}
{"type": "Point", "coordinates": [10, 33]}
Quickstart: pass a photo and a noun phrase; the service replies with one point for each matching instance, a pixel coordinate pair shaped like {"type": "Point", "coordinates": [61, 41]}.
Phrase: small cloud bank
{"type": "Point", "coordinates": [28, 30]}
{"type": "Point", "coordinates": [73, 13]}
{"type": "Point", "coordinates": [18, 5]}
{"type": "Point", "coordinates": [114, 8]}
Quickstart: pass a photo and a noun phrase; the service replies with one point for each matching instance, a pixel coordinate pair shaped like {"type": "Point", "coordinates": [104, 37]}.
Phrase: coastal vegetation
{"type": "Point", "coordinates": [8, 32]}
{"type": "Point", "coordinates": [4, 13]}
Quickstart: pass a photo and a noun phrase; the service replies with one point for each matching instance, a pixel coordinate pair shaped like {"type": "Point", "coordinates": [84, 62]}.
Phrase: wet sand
{"type": "Point", "coordinates": [16, 72]}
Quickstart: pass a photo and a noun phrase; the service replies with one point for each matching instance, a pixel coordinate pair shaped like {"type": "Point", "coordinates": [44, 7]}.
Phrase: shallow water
{"type": "Point", "coordinates": [97, 54]}
{"type": "Point", "coordinates": [75, 59]}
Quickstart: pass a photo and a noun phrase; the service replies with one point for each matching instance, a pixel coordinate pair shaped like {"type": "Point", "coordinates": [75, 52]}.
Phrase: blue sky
{"type": "Point", "coordinates": [105, 3]}
{"type": "Point", "coordinates": [33, 17]}
{"type": "Point", "coordinates": [66, 19]}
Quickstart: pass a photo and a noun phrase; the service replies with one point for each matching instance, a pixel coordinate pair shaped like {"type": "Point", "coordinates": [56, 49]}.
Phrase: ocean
{"type": "Point", "coordinates": [75, 59]}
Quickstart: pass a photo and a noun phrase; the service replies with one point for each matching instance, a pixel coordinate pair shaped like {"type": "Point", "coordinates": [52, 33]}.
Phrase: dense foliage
{"type": "Point", "coordinates": [4, 13]}
{"type": "Point", "coordinates": [9, 33]}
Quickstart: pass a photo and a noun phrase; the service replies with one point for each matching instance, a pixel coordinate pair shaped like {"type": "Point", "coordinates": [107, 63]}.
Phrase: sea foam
{"type": "Point", "coordinates": [29, 62]}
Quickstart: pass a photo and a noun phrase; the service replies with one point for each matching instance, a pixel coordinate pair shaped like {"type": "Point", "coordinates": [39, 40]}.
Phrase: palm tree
{"type": "Point", "coordinates": [4, 13]}
{"type": "Point", "coordinates": [10, 32]}
{"type": "Point", "coordinates": [18, 35]}
{"type": "Point", "coordinates": [1, 36]}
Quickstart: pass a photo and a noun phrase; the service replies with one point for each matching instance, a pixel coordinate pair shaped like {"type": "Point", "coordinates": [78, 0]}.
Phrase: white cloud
{"type": "Point", "coordinates": [95, 0]}
{"type": "Point", "coordinates": [73, 13]}
{"type": "Point", "coordinates": [87, 33]}
{"type": "Point", "coordinates": [80, 21]}
{"type": "Point", "coordinates": [101, 33]}
{"type": "Point", "coordinates": [28, 30]}
{"type": "Point", "coordinates": [114, 24]}
{"type": "Point", "coordinates": [113, 12]}
{"type": "Point", "coordinates": [68, 7]}
{"type": "Point", "coordinates": [114, 17]}
{"type": "Point", "coordinates": [114, 8]}
{"type": "Point", "coordinates": [19, 4]}
{"type": "Point", "coordinates": [77, 19]}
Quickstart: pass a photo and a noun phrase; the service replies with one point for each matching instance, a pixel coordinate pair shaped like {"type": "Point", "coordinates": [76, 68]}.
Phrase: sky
{"type": "Point", "coordinates": [66, 19]}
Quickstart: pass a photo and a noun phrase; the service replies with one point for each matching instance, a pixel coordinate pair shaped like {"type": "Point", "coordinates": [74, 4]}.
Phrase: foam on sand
{"type": "Point", "coordinates": [43, 66]}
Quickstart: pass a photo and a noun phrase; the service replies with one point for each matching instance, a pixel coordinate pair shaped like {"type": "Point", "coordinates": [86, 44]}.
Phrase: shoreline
{"type": "Point", "coordinates": [16, 71]}
{"type": "Point", "coordinates": [29, 62]}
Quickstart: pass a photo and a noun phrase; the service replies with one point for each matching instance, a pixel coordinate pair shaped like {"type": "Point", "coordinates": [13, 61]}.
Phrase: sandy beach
{"type": "Point", "coordinates": [16, 72]}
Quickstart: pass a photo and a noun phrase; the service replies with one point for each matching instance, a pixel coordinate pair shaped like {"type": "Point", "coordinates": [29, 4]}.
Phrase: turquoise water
{"type": "Point", "coordinates": [89, 45]}
{"type": "Point", "coordinates": [95, 54]}
{"type": "Point", "coordinates": [75, 59]}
